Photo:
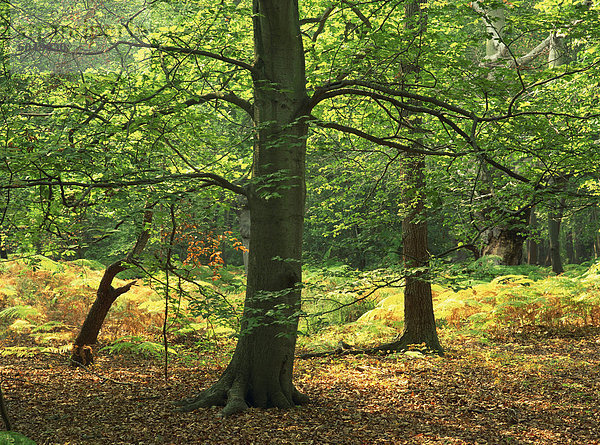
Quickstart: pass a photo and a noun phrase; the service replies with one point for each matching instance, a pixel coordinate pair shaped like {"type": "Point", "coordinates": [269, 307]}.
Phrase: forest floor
{"type": "Point", "coordinates": [527, 387]}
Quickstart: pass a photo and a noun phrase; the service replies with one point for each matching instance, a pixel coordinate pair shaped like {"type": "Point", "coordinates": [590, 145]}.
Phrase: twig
{"type": "Point", "coordinates": [75, 362]}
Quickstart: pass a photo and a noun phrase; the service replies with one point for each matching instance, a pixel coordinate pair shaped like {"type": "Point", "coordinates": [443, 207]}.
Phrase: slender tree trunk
{"type": "Point", "coordinates": [260, 371]}
{"type": "Point", "coordinates": [419, 319]}
{"type": "Point", "coordinates": [105, 296]}
{"type": "Point", "coordinates": [554, 232]}
{"type": "Point", "coordinates": [569, 246]}
{"type": "Point", "coordinates": [554, 219]}
{"type": "Point", "coordinates": [532, 244]}
{"type": "Point", "coordinates": [597, 235]}
{"type": "Point", "coordinates": [543, 253]}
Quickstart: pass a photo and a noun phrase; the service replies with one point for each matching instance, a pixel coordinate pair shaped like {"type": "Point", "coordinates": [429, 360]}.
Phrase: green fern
{"type": "Point", "coordinates": [12, 437]}
{"type": "Point", "coordinates": [19, 312]}
{"type": "Point", "coordinates": [136, 345]}
{"type": "Point", "coordinates": [19, 351]}
{"type": "Point", "coordinates": [50, 326]}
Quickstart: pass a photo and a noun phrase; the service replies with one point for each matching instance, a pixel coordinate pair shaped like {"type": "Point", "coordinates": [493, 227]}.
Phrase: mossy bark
{"type": "Point", "coordinates": [505, 242]}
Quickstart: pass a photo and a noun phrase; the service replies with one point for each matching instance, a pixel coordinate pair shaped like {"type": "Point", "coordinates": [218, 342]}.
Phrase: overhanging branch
{"type": "Point", "coordinates": [381, 141]}
{"type": "Point", "coordinates": [209, 179]}
{"type": "Point", "coordinates": [229, 97]}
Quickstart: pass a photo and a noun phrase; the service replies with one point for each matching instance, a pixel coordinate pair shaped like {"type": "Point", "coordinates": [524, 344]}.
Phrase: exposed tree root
{"type": "Point", "coordinates": [404, 343]}
{"type": "Point", "coordinates": [236, 396]}
{"type": "Point", "coordinates": [82, 355]}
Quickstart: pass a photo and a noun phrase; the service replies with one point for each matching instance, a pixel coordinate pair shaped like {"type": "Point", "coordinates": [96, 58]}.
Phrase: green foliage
{"type": "Point", "coordinates": [511, 301]}
{"type": "Point", "coordinates": [12, 437]}
{"type": "Point", "coordinates": [339, 294]}
{"type": "Point", "coordinates": [466, 274]}
{"type": "Point", "coordinates": [19, 312]}
{"type": "Point", "coordinates": [137, 345]}
{"type": "Point", "coordinates": [30, 351]}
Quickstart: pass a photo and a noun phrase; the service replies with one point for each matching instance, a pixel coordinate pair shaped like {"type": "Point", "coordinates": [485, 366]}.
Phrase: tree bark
{"type": "Point", "coordinates": [532, 244]}
{"type": "Point", "coordinates": [597, 235]}
{"type": "Point", "coordinates": [105, 296]}
{"type": "Point", "coordinates": [543, 253]}
{"type": "Point", "coordinates": [245, 230]}
{"type": "Point", "coordinates": [554, 220]}
{"type": "Point", "coordinates": [419, 319]}
{"type": "Point", "coordinates": [260, 371]}
{"type": "Point", "coordinates": [569, 246]}
{"type": "Point", "coordinates": [505, 243]}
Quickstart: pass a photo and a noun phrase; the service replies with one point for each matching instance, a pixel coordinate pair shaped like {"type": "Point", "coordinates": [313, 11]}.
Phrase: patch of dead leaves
{"type": "Point", "coordinates": [539, 391]}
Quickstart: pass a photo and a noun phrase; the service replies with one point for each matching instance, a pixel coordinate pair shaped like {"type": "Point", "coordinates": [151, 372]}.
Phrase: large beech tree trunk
{"type": "Point", "coordinates": [505, 239]}
{"type": "Point", "coordinates": [260, 371]}
{"type": "Point", "coordinates": [105, 296]}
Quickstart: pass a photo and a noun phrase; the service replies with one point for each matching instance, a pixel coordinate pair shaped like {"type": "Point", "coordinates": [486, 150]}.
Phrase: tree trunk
{"type": "Point", "coordinates": [569, 246]}
{"type": "Point", "coordinates": [260, 371]}
{"type": "Point", "coordinates": [532, 244]}
{"type": "Point", "coordinates": [4, 411]}
{"type": "Point", "coordinates": [506, 241]}
{"type": "Point", "coordinates": [554, 219]}
{"type": "Point", "coordinates": [597, 235]}
{"type": "Point", "coordinates": [244, 217]}
{"type": "Point", "coordinates": [105, 296]}
{"type": "Point", "coordinates": [579, 247]}
{"type": "Point", "coordinates": [543, 253]}
{"type": "Point", "coordinates": [419, 319]}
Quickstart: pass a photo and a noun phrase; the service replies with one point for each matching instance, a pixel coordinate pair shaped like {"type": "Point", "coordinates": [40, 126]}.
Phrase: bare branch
{"type": "Point", "coordinates": [217, 95]}
{"type": "Point", "coordinates": [382, 141]}
{"type": "Point", "coordinates": [358, 13]}
{"type": "Point", "coordinates": [335, 89]}
{"type": "Point", "coordinates": [208, 179]}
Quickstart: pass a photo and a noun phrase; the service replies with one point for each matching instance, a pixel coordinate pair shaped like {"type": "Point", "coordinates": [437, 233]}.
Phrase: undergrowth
{"type": "Point", "coordinates": [45, 303]}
